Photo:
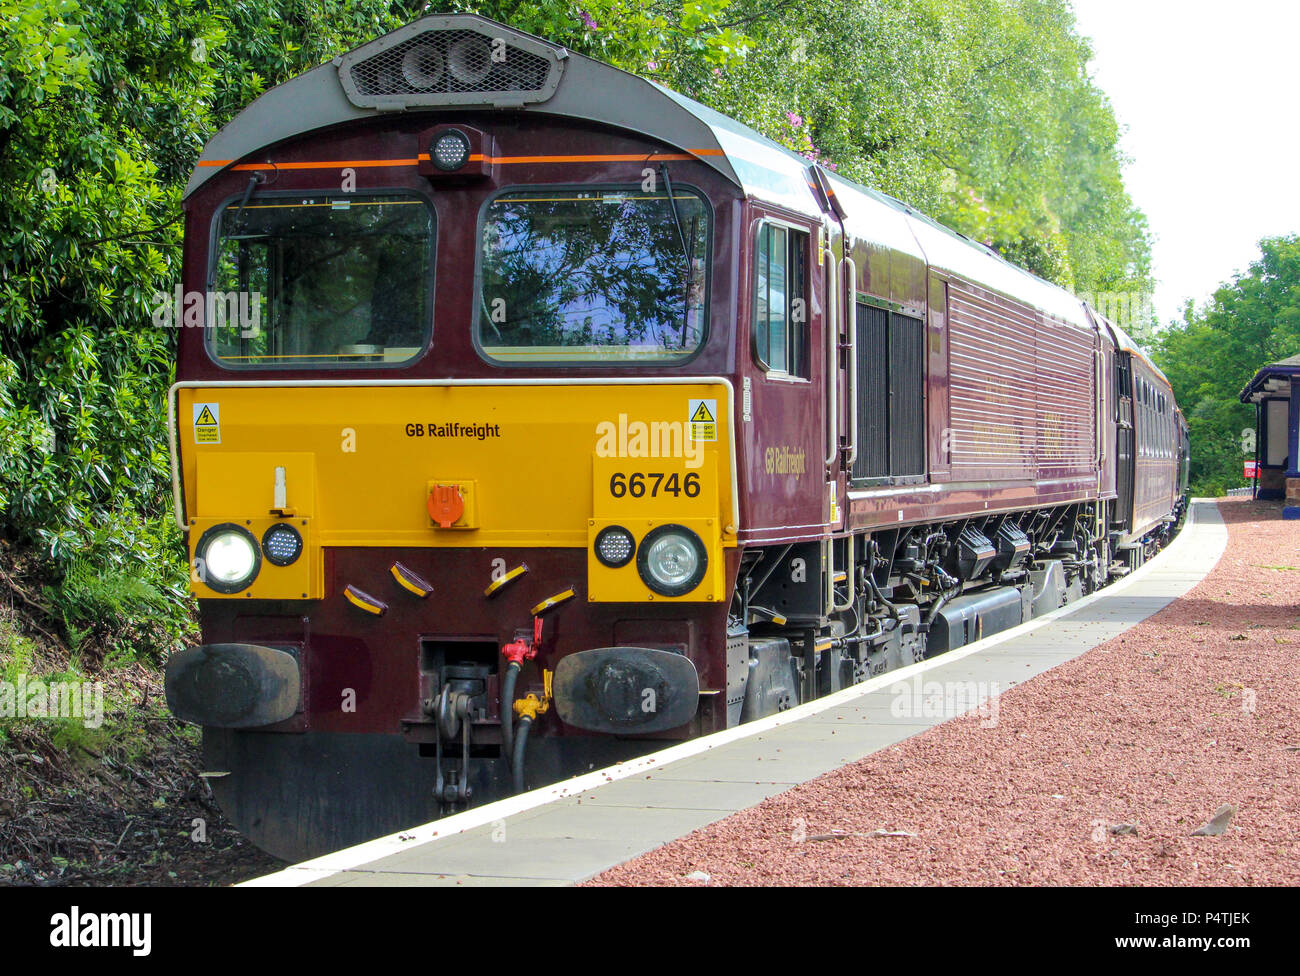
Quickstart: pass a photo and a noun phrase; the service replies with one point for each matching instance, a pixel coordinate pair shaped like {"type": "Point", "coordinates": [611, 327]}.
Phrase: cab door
{"type": "Point", "coordinates": [784, 406]}
{"type": "Point", "coordinates": [1125, 449]}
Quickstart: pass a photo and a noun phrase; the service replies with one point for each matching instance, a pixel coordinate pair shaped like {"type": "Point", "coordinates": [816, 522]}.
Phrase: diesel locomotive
{"type": "Point", "coordinates": [530, 416]}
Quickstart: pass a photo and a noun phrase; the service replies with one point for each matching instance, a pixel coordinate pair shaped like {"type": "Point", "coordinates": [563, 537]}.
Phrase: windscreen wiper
{"type": "Point", "coordinates": [252, 185]}
{"type": "Point", "coordinates": [677, 217]}
{"type": "Point", "coordinates": [686, 251]}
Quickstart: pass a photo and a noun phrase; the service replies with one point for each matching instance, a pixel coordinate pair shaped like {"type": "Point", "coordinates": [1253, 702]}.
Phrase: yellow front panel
{"type": "Point", "coordinates": [238, 484]}
{"type": "Point", "coordinates": [359, 461]}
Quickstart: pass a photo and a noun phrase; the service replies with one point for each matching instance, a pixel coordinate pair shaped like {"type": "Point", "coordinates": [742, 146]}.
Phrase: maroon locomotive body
{"type": "Point", "coordinates": [655, 428]}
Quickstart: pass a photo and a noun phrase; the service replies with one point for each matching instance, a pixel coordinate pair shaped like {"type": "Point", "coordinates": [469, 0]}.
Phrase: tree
{"type": "Point", "coordinates": [104, 108]}
{"type": "Point", "coordinates": [1211, 355]}
{"type": "Point", "coordinates": [979, 114]}
{"type": "Point", "coordinates": [98, 113]}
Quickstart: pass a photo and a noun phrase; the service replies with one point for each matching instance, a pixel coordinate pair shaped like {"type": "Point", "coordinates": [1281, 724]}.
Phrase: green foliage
{"type": "Point", "coordinates": [108, 603]}
{"type": "Point", "coordinates": [110, 720]}
{"type": "Point", "coordinates": [1213, 353]}
{"type": "Point", "coordinates": [98, 106]}
{"type": "Point", "coordinates": [980, 114]}
{"type": "Point", "coordinates": [657, 38]}
{"type": "Point", "coordinates": [104, 107]}
{"type": "Point", "coordinates": [17, 652]}
{"type": "Point", "coordinates": [20, 662]}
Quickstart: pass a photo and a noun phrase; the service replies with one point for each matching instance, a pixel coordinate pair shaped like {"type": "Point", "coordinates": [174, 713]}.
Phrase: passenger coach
{"type": "Point", "coordinates": [540, 415]}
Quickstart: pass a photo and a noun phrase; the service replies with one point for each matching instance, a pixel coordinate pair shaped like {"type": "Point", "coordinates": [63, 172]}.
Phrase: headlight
{"type": "Point", "coordinates": [671, 560]}
{"type": "Point", "coordinates": [227, 558]}
{"type": "Point", "coordinates": [614, 546]}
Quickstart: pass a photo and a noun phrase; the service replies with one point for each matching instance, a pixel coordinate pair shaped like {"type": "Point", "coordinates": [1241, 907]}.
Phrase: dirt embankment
{"type": "Point", "coordinates": [105, 790]}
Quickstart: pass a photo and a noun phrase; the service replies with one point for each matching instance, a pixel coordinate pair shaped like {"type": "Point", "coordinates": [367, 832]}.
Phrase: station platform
{"type": "Point", "coordinates": [571, 831]}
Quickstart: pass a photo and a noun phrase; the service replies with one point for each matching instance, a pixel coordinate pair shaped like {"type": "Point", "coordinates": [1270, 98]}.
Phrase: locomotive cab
{"type": "Point", "coordinates": [454, 441]}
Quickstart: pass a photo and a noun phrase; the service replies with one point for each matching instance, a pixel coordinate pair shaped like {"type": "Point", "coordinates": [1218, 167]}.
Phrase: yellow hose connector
{"type": "Point", "coordinates": [530, 706]}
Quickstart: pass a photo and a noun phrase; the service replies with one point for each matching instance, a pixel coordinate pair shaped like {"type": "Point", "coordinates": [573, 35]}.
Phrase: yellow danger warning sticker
{"type": "Point", "coordinates": [207, 423]}
{"type": "Point", "coordinates": [702, 420]}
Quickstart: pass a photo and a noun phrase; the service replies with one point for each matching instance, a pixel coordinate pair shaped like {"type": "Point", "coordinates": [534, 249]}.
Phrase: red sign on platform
{"type": "Point", "coordinates": [1252, 469]}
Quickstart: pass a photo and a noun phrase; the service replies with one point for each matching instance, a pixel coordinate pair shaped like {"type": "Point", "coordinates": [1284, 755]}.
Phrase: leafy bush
{"type": "Point", "coordinates": [119, 608]}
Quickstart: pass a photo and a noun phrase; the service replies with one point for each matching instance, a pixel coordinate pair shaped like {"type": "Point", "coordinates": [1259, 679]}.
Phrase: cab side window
{"type": "Point", "coordinates": [781, 300]}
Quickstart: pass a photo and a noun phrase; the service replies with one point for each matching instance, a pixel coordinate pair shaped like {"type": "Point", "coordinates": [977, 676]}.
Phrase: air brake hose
{"type": "Point", "coordinates": [508, 708]}
{"type": "Point", "coordinates": [933, 612]}
{"type": "Point", "coordinates": [520, 747]}
{"type": "Point", "coordinates": [528, 707]}
{"type": "Point", "coordinates": [516, 653]}
{"type": "Point", "coordinates": [944, 596]}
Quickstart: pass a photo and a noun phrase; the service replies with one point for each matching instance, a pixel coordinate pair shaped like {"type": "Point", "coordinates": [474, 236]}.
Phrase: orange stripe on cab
{"type": "Point", "coordinates": [477, 158]}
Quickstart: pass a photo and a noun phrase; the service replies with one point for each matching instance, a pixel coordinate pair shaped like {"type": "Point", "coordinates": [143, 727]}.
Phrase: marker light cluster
{"type": "Point", "coordinates": [450, 151]}
{"type": "Point", "coordinates": [227, 558]}
{"type": "Point", "coordinates": [282, 544]}
{"type": "Point", "coordinates": [615, 546]}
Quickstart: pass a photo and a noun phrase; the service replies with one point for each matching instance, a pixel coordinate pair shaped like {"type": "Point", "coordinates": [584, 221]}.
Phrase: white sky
{"type": "Point", "coordinates": [1208, 94]}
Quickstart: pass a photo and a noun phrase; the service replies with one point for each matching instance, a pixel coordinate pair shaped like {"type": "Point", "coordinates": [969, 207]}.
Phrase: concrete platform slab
{"type": "Point", "coordinates": [662, 790]}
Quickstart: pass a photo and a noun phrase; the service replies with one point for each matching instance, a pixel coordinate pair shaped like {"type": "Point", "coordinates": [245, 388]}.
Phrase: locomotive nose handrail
{"type": "Point", "coordinates": [851, 382]}
{"type": "Point", "coordinates": [1099, 401]}
{"type": "Point", "coordinates": [832, 355]}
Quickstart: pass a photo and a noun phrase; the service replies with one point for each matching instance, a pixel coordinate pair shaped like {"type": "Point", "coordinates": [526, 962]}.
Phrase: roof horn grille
{"type": "Point", "coordinates": [454, 60]}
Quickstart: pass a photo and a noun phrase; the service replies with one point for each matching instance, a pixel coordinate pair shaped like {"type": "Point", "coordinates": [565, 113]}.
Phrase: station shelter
{"type": "Point", "coordinates": [1275, 391]}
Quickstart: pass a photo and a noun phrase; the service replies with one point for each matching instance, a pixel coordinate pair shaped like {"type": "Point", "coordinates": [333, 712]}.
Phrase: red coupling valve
{"type": "Point", "coordinates": [520, 651]}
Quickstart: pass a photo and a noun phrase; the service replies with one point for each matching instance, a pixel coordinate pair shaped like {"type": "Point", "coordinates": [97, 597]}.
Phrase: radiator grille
{"type": "Point", "coordinates": [906, 391]}
{"type": "Point", "coordinates": [891, 406]}
{"type": "Point", "coordinates": [1021, 388]}
{"type": "Point", "coordinates": [873, 394]}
